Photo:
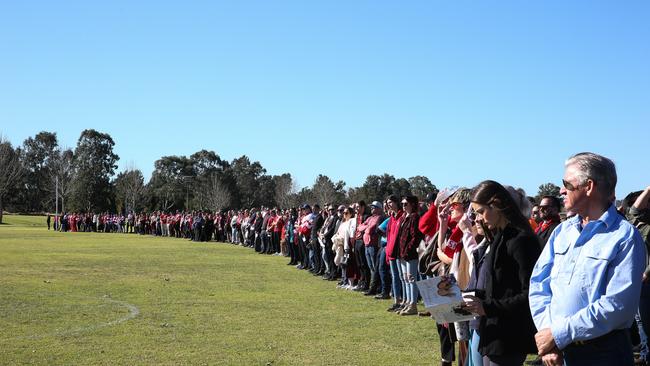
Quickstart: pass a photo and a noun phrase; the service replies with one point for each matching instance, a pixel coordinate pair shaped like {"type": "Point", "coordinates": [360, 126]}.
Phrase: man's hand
{"type": "Point", "coordinates": [553, 358]}
{"type": "Point", "coordinates": [545, 341]}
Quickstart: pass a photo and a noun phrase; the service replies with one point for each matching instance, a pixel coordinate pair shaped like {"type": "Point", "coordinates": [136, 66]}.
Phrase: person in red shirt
{"type": "Point", "coordinates": [278, 224]}
{"type": "Point", "coordinates": [396, 214]}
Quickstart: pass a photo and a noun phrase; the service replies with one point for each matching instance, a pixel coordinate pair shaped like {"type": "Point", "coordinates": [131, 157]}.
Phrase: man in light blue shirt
{"type": "Point", "coordinates": [585, 287]}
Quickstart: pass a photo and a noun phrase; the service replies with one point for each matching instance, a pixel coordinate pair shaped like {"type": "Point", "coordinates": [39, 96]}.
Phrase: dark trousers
{"type": "Point", "coordinates": [372, 258]}
{"type": "Point", "coordinates": [614, 348]}
{"type": "Point", "coordinates": [303, 255]}
{"type": "Point", "coordinates": [383, 269]}
{"type": "Point", "coordinates": [291, 248]}
{"type": "Point", "coordinates": [276, 242]}
{"type": "Point", "coordinates": [447, 339]}
{"type": "Point", "coordinates": [266, 241]}
{"type": "Point", "coordinates": [362, 264]}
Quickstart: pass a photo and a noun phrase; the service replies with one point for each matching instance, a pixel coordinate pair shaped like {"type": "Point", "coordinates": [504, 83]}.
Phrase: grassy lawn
{"type": "Point", "coordinates": [86, 298]}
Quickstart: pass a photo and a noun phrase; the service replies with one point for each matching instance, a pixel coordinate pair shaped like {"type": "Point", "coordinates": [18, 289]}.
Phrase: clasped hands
{"type": "Point", "coordinates": [547, 349]}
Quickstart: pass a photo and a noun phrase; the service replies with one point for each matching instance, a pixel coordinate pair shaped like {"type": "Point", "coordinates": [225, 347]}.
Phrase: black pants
{"type": "Point", "coordinates": [447, 339]}
{"type": "Point", "coordinates": [304, 252]}
{"type": "Point", "coordinates": [275, 239]}
{"type": "Point", "coordinates": [291, 247]}
{"type": "Point", "coordinates": [362, 263]}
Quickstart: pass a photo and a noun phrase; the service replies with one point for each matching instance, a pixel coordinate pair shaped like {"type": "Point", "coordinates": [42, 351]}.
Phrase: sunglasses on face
{"type": "Point", "coordinates": [568, 186]}
{"type": "Point", "coordinates": [405, 203]}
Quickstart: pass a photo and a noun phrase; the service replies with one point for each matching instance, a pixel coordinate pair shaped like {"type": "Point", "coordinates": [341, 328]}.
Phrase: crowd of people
{"type": "Point", "coordinates": [567, 281]}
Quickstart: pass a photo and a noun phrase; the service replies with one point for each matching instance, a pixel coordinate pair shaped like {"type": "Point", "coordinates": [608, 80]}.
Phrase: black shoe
{"type": "Point", "coordinates": [382, 296]}
{"type": "Point", "coordinates": [370, 293]}
{"type": "Point", "coordinates": [394, 308]}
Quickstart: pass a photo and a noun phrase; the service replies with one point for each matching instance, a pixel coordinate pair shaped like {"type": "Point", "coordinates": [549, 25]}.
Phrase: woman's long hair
{"type": "Point", "coordinates": [493, 194]}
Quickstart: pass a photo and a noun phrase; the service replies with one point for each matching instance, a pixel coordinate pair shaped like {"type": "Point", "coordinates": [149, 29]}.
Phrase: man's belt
{"type": "Point", "coordinates": [599, 339]}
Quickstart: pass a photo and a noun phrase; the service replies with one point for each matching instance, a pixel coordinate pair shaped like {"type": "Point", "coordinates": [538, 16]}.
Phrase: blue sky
{"type": "Point", "coordinates": [457, 91]}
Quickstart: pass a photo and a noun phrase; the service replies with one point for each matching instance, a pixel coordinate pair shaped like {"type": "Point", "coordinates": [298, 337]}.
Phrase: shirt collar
{"type": "Point", "coordinates": [608, 217]}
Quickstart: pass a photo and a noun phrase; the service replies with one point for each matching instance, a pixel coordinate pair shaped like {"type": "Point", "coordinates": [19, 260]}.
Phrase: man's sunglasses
{"type": "Point", "coordinates": [570, 187]}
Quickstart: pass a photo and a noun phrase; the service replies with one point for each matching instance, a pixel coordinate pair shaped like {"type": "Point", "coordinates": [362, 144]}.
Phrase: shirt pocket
{"type": "Point", "coordinates": [593, 267]}
{"type": "Point", "coordinates": [561, 271]}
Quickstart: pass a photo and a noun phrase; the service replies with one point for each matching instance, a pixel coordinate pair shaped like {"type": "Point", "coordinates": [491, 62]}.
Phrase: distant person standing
{"type": "Point", "coordinates": [549, 213]}
{"type": "Point", "coordinates": [49, 221]}
{"type": "Point", "coordinates": [585, 287]}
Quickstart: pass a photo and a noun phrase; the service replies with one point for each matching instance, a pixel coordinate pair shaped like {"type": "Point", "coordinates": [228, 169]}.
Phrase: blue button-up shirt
{"type": "Point", "coordinates": [587, 281]}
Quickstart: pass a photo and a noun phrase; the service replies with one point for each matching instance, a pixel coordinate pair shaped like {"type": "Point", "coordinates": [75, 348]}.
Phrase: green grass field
{"type": "Point", "coordinates": [87, 298]}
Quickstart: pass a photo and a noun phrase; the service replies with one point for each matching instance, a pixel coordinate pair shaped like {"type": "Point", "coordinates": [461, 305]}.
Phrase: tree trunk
{"type": "Point", "coordinates": [1, 209]}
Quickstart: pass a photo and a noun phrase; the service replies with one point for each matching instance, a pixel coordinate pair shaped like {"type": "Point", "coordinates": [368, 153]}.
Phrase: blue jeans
{"type": "Point", "coordinates": [383, 271]}
{"type": "Point", "coordinates": [410, 275]}
{"type": "Point", "coordinates": [474, 357]}
{"type": "Point", "coordinates": [643, 320]}
{"type": "Point", "coordinates": [643, 337]}
{"type": "Point", "coordinates": [396, 280]}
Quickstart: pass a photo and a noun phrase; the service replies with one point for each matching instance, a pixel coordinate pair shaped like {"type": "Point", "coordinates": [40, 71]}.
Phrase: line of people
{"type": "Point", "coordinates": [567, 290]}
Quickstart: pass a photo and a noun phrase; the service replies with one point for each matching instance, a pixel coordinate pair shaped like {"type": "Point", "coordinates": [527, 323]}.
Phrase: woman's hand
{"type": "Point", "coordinates": [443, 214]}
{"type": "Point", "coordinates": [474, 305]}
{"type": "Point", "coordinates": [465, 224]}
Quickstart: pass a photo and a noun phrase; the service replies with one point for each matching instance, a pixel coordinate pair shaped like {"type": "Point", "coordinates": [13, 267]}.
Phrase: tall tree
{"type": "Point", "coordinates": [400, 187]}
{"type": "Point", "coordinates": [38, 153]}
{"type": "Point", "coordinates": [326, 191]}
{"type": "Point", "coordinates": [378, 187]}
{"type": "Point", "coordinates": [215, 194]}
{"type": "Point", "coordinates": [11, 171]}
{"type": "Point", "coordinates": [95, 164]}
{"type": "Point", "coordinates": [547, 189]}
{"type": "Point", "coordinates": [170, 182]}
{"type": "Point", "coordinates": [61, 174]}
{"type": "Point", "coordinates": [285, 190]}
{"type": "Point", "coordinates": [129, 190]}
{"type": "Point", "coordinates": [421, 186]}
{"type": "Point", "coordinates": [247, 175]}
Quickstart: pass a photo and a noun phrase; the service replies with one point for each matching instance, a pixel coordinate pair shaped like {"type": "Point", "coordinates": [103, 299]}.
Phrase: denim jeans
{"type": "Point", "coordinates": [371, 259]}
{"type": "Point", "coordinates": [644, 307]}
{"type": "Point", "coordinates": [410, 275]}
{"type": "Point", "coordinates": [383, 269]}
{"type": "Point", "coordinates": [474, 357]}
{"type": "Point", "coordinates": [643, 337]}
{"type": "Point", "coordinates": [396, 278]}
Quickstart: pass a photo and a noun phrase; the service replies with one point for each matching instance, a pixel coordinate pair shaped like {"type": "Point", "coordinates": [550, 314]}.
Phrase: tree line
{"type": "Point", "coordinates": [87, 181]}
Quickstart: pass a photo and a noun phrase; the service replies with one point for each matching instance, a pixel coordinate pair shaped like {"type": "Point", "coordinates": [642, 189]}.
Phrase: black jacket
{"type": "Point", "coordinates": [546, 234]}
{"type": "Point", "coordinates": [508, 328]}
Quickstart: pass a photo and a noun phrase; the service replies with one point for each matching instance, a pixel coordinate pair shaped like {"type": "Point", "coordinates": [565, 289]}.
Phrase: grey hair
{"type": "Point", "coordinates": [519, 196]}
{"type": "Point", "coordinates": [597, 168]}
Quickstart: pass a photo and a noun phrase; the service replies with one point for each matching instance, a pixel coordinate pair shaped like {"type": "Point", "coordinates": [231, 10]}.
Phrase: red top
{"type": "Point", "coordinates": [429, 221]}
{"type": "Point", "coordinates": [278, 224]}
{"type": "Point", "coordinates": [454, 242]}
{"type": "Point", "coordinates": [391, 234]}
